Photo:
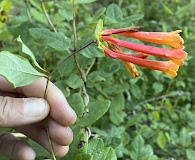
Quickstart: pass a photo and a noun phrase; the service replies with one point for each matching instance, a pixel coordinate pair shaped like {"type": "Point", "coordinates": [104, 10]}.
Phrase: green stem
{"type": "Point", "coordinates": [47, 16]}
{"type": "Point", "coordinates": [74, 24]}
{"type": "Point", "coordinates": [83, 76]}
{"type": "Point", "coordinates": [28, 12]}
{"type": "Point", "coordinates": [75, 39]}
{"type": "Point", "coordinates": [47, 123]}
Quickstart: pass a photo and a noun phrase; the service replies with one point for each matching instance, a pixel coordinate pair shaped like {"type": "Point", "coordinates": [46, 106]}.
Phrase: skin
{"type": "Point", "coordinates": [17, 113]}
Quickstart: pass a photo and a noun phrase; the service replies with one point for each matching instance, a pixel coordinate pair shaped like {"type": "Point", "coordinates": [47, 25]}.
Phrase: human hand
{"type": "Point", "coordinates": [26, 115]}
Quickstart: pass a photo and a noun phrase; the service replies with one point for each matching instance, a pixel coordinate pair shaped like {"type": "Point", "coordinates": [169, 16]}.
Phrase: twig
{"type": "Point", "coordinates": [75, 37]}
{"type": "Point", "coordinates": [178, 93]}
{"type": "Point", "coordinates": [74, 23]}
{"type": "Point", "coordinates": [28, 12]}
{"type": "Point", "coordinates": [47, 16]}
{"type": "Point", "coordinates": [47, 123]}
{"type": "Point", "coordinates": [70, 55]}
{"type": "Point", "coordinates": [83, 75]}
{"type": "Point", "coordinates": [89, 68]}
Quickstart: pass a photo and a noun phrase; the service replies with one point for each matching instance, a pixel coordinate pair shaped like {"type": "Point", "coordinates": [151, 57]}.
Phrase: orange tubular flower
{"type": "Point", "coordinates": [175, 55]}
{"type": "Point", "coordinates": [168, 67]}
{"type": "Point", "coordinates": [169, 38]}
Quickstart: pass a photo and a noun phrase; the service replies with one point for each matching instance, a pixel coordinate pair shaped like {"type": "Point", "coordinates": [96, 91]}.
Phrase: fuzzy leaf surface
{"type": "Point", "coordinates": [28, 52]}
{"type": "Point", "coordinates": [56, 41]}
{"type": "Point", "coordinates": [17, 70]}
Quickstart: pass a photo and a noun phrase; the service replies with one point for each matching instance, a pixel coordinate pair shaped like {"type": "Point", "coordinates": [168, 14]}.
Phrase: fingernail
{"type": "Point", "coordinates": [34, 107]}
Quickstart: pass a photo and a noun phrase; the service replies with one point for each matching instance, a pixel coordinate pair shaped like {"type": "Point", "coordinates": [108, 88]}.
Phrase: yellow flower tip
{"type": "Point", "coordinates": [131, 68]}
{"type": "Point", "coordinates": [171, 69]}
{"type": "Point", "coordinates": [171, 73]}
{"type": "Point", "coordinates": [180, 56]}
{"type": "Point", "coordinates": [178, 62]}
{"type": "Point", "coordinates": [172, 39]}
{"type": "Point", "coordinates": [175, 39]}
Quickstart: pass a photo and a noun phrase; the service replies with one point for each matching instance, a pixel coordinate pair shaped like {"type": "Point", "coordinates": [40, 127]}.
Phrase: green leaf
{"type": "Point", "coordinates": [184, 138]}
{"type": "Point", "coordinates": [96, 148]}
{"type": "Point", "coordinates": [63, 87]}
{"type": "Point", "coordinates": [38, 16]}
{"type": "Point", "coordinates": [190, 153]}
{"type": "Point", "coordinates": [136, 92]}
{"type": "Point", "coordinates": [40, 151]}
{"type": "Point", "coordinates": [74, 81]}
{"type": "Point", "coordinates": [117, 117]}
{"type": "Point", "coordinates": [109, 154]}
{"type": "Point", "coordinates": [117, 114]}
{"type": "Point", "coordinates": [17, 70]}
{"type": "Point", "coordinates": [118, 102]}
{"type": "Point", "coordinates": [96, 110]}
{"type": "Point", "coordinates": [111, 66]}
{"type": "Point", "coordinates": [114, 13]}
{"type": "Point", "coordinates": [76, 102]}
{"type": "Point", "coordinates": [85, 1]}
{"type": "Point", "coordinates": [83, 156]}
{"type": "Point", "coordinates": [132, 18]}
{"type": "Point", "coordinates": [153, 157]}
{"type": "Point", "coordinates": [67, 67]}
{"type": "Point", "coordinates": [95, 78]}
{"type": "Point", "coordinates": [158, 87]}
{"type": "Point", "coordinates": [161, 140]}
{"type": "Point", "coordinates": [139, 150]}
{"type": "Point", "coordinates": [28, 52]}
{"type": "Point", "coordinates": [156, 115]}
{"type": "Point", "coordinates": [79, 144]}
{"type": "Point", "coordinates": [55, 40]}
{"type": "Point", "coordinates": [92, 52]}
{"type": "Point", "coordinates": [66, 14]}
{"type": "Point", "coordinates": [98, 30]}
{"type": "Point", "coordinates": [167, 10]}
{"type": "Point", "coordinates": [132, 120]}
{"type": "Point", "coordinates": [99, 13]}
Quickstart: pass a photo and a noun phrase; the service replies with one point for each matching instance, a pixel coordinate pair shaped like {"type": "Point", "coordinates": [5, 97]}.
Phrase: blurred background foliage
{"type": "Point", "coordinates": [151, 117]}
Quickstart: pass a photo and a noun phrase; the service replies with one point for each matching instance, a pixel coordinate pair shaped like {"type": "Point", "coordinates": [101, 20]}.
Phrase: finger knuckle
{"type": "Point", "coordinates": [5, 110]}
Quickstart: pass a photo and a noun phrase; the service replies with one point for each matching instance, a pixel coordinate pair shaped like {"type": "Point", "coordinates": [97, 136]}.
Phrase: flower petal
{"type": "Point", "coordinates": [110, 31]}
{"type": "Point", "coordinates": [169, 38]}
{"type": "Point", "coordinates": [131, 68]}
{"type": "Point", "coordinates": [176, 55]}
{"type": "Point", "coordinates": [168, 67]}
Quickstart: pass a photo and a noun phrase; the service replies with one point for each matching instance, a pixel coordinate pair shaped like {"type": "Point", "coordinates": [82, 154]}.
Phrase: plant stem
{"type": "Point", "coordinates": [28, 12]}
{"type": "Point", "coordinates": [74, 23]}
{"type": "Point", "coordinates": [45, 94]}
{"type": "Point", "coordinates": [49, 138]}
{"type": "Point", "coordinates": [75, 38]}
{"type": "Point", "coordinates": [47, 123]}
{"type": "Point", "coordinates": [176, 94]}
{"type": "Point", "coordinates": [70, 55]}
{"type": "Point", "coordinates": [83, 76]}
{"type": "Point", "coordinates": [47, 16]}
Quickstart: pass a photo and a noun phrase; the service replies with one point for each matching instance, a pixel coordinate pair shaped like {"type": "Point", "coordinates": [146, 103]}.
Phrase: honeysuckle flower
{"type": "Point", "coordinates": [169, 38]}
{"type": "Point", "coordinates": [175, 55]}
{"type": "Point", "coordinates": [167, 67]}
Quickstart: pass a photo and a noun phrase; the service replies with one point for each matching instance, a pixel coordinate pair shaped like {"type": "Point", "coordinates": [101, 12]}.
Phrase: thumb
{"type": "Point", "coordinates": [22, 111]}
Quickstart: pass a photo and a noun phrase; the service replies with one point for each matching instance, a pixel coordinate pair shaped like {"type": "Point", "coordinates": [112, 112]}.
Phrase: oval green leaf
{"type": "Point", "coordinates": [17, 70]}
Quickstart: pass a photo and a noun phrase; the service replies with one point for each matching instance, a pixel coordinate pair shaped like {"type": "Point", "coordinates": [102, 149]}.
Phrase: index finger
{"type": "Point", "coordinates": [60, 111]}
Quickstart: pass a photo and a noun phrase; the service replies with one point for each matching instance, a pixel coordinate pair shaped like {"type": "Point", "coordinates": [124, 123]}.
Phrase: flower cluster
{"type": "Point", "coordinates": [175, 55]}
